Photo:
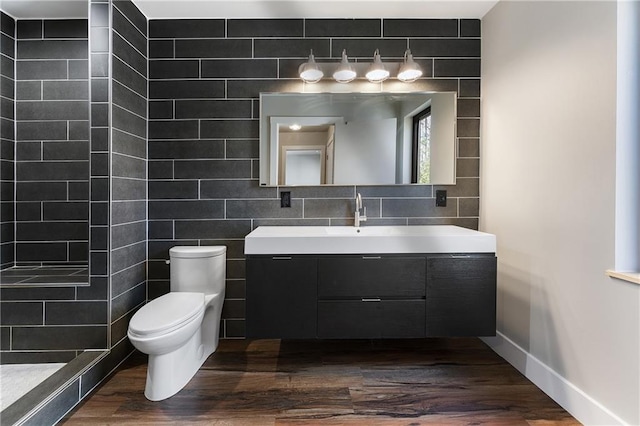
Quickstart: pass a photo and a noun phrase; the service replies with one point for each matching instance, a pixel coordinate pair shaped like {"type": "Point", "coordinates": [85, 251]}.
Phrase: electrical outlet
{"type": "Point", "coordinates": [441, 198]}
{"type": "Point", "coordinates": [285, 199]}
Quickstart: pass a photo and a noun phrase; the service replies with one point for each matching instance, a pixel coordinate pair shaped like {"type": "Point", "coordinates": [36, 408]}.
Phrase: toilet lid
{"type": "Point", "coordinates": [167, 312]}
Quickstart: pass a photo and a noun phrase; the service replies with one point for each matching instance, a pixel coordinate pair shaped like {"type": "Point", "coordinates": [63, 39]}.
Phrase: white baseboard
{"type": "Point", "coordinates": [580, 405]}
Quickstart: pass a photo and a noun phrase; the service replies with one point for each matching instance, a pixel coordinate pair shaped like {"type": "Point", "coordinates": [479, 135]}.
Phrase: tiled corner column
{"type": "Point", "coordinates": [7, 141]}
{"type": "Point", "coordinates": [205, 78]}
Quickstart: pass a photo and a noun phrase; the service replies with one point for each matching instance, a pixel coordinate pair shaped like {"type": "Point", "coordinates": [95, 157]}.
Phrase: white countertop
{"type": "Point", "coordinates": [367, 239]}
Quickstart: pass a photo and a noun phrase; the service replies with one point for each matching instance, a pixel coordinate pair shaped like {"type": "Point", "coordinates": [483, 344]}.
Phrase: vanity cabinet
{"type": "Point", "coordinates": [282, 297]}
{"type": "Point", "coordinates": [371, 296]}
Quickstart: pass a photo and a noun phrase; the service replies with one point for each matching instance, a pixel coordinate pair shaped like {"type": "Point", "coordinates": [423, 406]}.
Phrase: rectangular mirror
{"type": "Point", "coordinates": [357, 138]}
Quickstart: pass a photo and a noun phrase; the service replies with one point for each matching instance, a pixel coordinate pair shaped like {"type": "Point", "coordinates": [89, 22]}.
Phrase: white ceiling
{"type": "Point", "coordinates": [155, 9]}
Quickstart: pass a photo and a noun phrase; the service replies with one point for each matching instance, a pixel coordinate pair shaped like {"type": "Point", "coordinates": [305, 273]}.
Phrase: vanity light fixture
{"type": "Point", "coordinates": [345, 72]}
{"type": "Point", "coordinates": [310, 72]}
{"type": "Point", "coordinates": [409, 71]}
{"type": "Point", "coordinates": [377, 73]}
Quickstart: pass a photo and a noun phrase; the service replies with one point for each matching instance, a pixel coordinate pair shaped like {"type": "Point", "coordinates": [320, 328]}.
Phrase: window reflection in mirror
{"type": "Point", "coordinates": [366, 138]}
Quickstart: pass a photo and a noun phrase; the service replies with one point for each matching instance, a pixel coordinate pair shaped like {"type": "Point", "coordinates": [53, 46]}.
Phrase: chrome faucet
{"type": "Point", "coordinates": [357, 216]}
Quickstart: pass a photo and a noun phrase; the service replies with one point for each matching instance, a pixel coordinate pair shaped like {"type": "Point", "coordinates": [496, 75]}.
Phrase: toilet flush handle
{"type": "Point", "coordinates": [168, 261]}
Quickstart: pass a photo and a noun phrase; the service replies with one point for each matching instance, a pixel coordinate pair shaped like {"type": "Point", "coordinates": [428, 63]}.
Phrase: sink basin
{"type": "Point", "coordinates": [367, 240]}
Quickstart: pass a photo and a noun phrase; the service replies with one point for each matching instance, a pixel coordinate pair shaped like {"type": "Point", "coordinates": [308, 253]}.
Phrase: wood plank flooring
{"type": "Point", "coordinates": [379, 382]}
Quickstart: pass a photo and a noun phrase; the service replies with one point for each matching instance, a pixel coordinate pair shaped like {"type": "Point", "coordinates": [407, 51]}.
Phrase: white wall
{"type": "Point", "coordinates": [547, 191]}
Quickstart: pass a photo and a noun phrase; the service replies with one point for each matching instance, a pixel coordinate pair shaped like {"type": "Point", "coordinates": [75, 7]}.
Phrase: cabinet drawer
{"type": "Point", "coordinates": [371, 276]}
{"type": "Point", "coordinates": [355, 319]}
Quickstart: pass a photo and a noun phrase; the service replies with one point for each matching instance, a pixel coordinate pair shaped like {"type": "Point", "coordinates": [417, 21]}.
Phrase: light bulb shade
{"type": "Point", "coordinates": [310, 72]}
{"type": "Point", "coordinates": [345, 72]}
{"type": "Point", "coordinates": [409, 71]}
{"type": "Point", "coordinates": [377, 73]}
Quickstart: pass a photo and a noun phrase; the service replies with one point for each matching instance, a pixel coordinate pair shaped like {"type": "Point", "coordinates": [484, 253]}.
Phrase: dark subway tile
{"type": "Point", "coordinates": [160, 49]}
{"type": "Point", "coordinates": [125, 143]}
{"type": "Point", "coordinates": [26, 151]}
{"type": "Point", "coordinates": [469, 207]}
{"type": "Point", "coordinates": [129, 32]}
{"type": "Point", "coordinates": [124, 189]}
{"type": "Point", "coordinates": [29, 28]}
{"type": "Point", "coordinates": [7, 65]}
{"type": "Point", "coordinates": [99, 213]}
{"type": "Point", "coordinates": [124, 280]}
{"type": "Point", "coordinates": [57, 210]}
{"type": "Point", "coordinates": [59, 338]}
{"type": "Point", "coordinates": [205, 108]}
{"type": "Point", "coordinates": [166, 68]}
{"type": "Point", "coordinates": [78, 190]}
{"type": "Point", "coordinates": [233, 309]}
{"type": "Point", "coordinates": [129, 9]}
{"type": "Point", "coordinates": [167, 190]}
{"type": "Point", "coordinates": [99, 90]}
{"type": "Point", "coordinates": [52, 110]}
{"type": "Point", "coordinates": [128, 167]}
{"type": "Point", "coordinates": [127, 256]}
{"type": "Point", "coordinates": [42, 70]}
{"type": "Point", "coordinates": [52, 170]}
{"type": "Point", "coordinates": [364, 48]}
{"type": "Point", "coordinates": [186, 89]}
{"type": "Point", "coordinates": [8, 47]}
{"type": "Point", "coordinates": [100, 164]}
{"type": "Point", "coordinates": [451, 47]}
{"type": "Point", "coordinates": [160, 170]}
{"type": "Point", "coordinates": [425, 207]}
{"type": "Point", "coordinates": [99, 189]}
{"type": "Point", "coordinates": [99, 238]}
{"type": "Point", "coordinates": [186, 28]}
{"type": "Point", "coordinates": [247, 148]}
{"type": "Point", "coordinates": [29, 90]}
{"type": "Point", "coordinates": [52, 49]}
{"type": "Point", "coordinates": [41, 130]}
{"type": "Point", "coordinates": [160, 109]}
{"type": "Point", "coordinates": [337, 208]}
{"type": "Point", "coordinates": [170, 129]}
{"type": "Point", "coordinates": [128, 211]}
{"type": "Point", "coordinates": [99, 115]}
{"type": "Point", "coordinates": [41, 252]}
{"type": "Point", "coordinates": [7, 88]}
{"type": "Point", "coordinates": [468, 108]}
{"type": "Point", "coordinates": [395, 191]}
{"type": "Point", "coordinates": [128, 122]}
{"type": "Point", "coordinates": [100, 40]}
{"type": "Point", "coordinates": [265, 28]}
{"type": "Point", "coordinates": [127, 234]}
{"type": "Point", "coordinates": [213, 48]}
{"type": "Point", "coordinates": [186, 209]}
{"type": "Point", "coordinates": [65, 90]}
{"type": "Point", "coordinates": [98, 263]}
{"type": "Point", "coordinates": [470, 28]}
{"type": "Point", "coordinates": [212, 169]}
{"type": "Point", "coordinates": [52, 231]}
{"type": "Point", "coordinates": [240, 68]}
{"type": "Point", "coordinates": [187, 149]}
{"type": "Point", "coordinates": [343, 27]}
{"type": "Point", "coordinates": [223, 189]}
{"type": "Point", "coordinates": [30, 211]}
{"type": "Point", "coordinates": [129, 55]}
{"type": "Point", "coordinates": [286, 48]}
{"type": "Point", "coordinates": [253, 88]}
{"type": "Point", "coordinates": [21, 313]}
{"type": "Point", "coordinates": [211, 229]}
{"type": "Point", "coordinates": [467, 167]}
{"type": "Point", "coordinates": [128, 77]}
{"type": "Point", "coordinates": [75, 313]}
{"type": "Point", "coordinates": [420, 27]}
{"type": "Point", "coordinates": [60, 404]}
{"type": "Point", "coordinates": [250, 209]}
{"type": "Point", "coordinates": [456, 68]}
{"type": "Point", "coordinates": [65, 28]}
{"type": "Point", "coordinates": [8, 24]}
{"type": "Point", "coordinates": [468, 127]}
{"type": "Point", "coordinates": [127, 301]}
{"type": "Point", "coordinates": [464, 187]}
{"type": "Point", "coordinates": [100, 64]}
{"type": "Point", "coordinates": [229, 129]}
{"type": "Point", "coordinates": [128, 99]}
{"type": "Point", "coordinates": [37, 293]}
{"type": "Point", "coordinates": [98, 290]}
{"type": "Point", "coordinates": [79, 68]}
{"type": "Point", "coordinates": [159, 229]}
{"type": "Point", "coordinates": [468, 147]}
{"type": "Point", "coordinates": [470, 88]}
{"type": "Point", "coordinates": [41, 191]}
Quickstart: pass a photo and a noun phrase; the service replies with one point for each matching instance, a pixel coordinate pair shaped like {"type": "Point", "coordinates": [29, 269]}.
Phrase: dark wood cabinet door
{"type": "Point", "coordinates": [461, 296]}
{"type": "Point", "coordinates": [281, 297]}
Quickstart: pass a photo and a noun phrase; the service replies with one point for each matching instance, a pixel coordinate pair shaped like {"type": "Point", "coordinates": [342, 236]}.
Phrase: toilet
{"type": "Point", "coordinates": [180, 329]}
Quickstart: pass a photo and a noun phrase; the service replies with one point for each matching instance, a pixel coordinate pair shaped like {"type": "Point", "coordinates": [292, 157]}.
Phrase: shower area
{"type": "Point", "coordinates": [69, 281]}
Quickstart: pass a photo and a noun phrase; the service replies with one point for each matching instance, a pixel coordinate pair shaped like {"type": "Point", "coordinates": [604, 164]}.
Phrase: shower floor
{"type": "Point", "coordinates": [18, 379]}
{"type": "Point", "coordinates": [62, 275]}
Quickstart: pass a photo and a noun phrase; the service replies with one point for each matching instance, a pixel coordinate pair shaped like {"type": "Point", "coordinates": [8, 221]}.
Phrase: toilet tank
{"type": "Point", "coordinates": [198, 269]}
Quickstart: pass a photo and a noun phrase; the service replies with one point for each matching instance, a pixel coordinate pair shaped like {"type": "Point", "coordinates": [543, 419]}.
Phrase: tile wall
{"type": "Point", "coordinates": [205, 78]}
{"type": "Point", "coordinates": [7, 140]}
{"type": "Point", "coordinates": [52, 148]}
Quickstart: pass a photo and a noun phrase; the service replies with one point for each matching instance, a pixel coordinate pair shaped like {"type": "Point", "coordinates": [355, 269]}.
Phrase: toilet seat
{"type": "Point", "coordinates": [166, 314]}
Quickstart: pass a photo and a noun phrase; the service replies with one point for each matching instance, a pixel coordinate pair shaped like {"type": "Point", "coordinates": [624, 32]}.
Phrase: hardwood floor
{"type": "Point", "coordinates": [388, 382]}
